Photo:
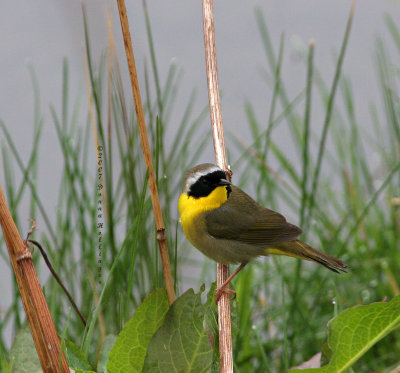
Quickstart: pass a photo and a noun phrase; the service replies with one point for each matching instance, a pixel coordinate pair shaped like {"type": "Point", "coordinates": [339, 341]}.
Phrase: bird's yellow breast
{"type": "Point", "coordinates": [191, 208]}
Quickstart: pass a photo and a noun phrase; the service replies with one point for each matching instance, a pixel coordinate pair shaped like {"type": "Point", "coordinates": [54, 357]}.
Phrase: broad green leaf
{"type": "Point", "coordinates": [108, 344]}
{"type": "Point", "coordinates": [353, 332]}
{"type": "Point", "coordinates": [25, 359]}
{"type": "Point", "coordinates": [181, 344]}
{"type": "Point", "coordinates": [129, 350]}
{"type": "Point", "coordinates": [211, 320]}
{"type": "Point", "coordinates": [23, 353]}
{"type": "Point", "coordinates": [75, 357]}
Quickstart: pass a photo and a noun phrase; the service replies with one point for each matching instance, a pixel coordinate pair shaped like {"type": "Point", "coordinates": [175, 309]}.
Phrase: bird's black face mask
{"type": "Point", "coordinates": [207, 183]}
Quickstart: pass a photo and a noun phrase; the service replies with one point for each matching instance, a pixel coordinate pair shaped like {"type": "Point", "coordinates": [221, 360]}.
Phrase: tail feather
{"type": "Point", "coordinates": [299, 249]}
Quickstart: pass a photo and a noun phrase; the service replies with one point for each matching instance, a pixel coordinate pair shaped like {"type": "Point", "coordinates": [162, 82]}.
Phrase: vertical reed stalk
{"type": "Point", "coordinates": [224, 307]}
{"type": "Point", "coordinates": [161, 237]}
{"type": "Point", "coordinates": [43, 331]}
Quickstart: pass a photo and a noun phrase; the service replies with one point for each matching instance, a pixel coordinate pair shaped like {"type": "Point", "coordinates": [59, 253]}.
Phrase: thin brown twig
{"type": "Point", "coordinates": [224, 307]}
{"type": "Point", "coordinates": [42, 327]}
{"type": "Point", "coordinates": [57, 278]}
{"type": "Point", "coordinates": [161, 236]}
{"type": "Point", "coordinates": [33, 227]}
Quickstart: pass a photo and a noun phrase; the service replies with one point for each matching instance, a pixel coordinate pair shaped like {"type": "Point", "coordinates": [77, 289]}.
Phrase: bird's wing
{"type": "Point", "coordinates": [242, 219]}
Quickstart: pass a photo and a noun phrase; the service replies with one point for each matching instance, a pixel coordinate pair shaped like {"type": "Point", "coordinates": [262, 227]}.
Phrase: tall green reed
{"type": "Point", "coordinates": [130, 268]}
{"type": "Point", "coordinates": [347, 207]}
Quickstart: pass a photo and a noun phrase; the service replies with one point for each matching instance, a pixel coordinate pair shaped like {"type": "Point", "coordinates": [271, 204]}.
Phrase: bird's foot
{"type": "Point", "coordinates": [221, 290]}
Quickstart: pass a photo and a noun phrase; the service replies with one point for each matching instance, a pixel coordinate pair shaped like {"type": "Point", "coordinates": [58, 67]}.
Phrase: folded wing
{"type": "Point", "coordinates": [244, 220]}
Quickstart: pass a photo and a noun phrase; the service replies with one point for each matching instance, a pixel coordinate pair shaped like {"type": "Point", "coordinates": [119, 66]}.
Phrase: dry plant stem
{"type": "Point", "coordinates": [39, 318]}
{"type": "Point", "coordinates": [224, 306]}
{"type": "Point", "coordinates": [161, 237]}
{"type": "Point", "coordinates": [223, 288]}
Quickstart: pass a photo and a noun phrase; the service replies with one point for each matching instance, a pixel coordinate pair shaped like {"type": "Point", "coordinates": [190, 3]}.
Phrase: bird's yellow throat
{"type": "Point", "coordinates": [190, 207]}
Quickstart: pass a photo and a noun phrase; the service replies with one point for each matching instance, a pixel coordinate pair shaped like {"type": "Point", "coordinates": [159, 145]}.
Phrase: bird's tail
{"type": "Point", "coordinates": [299, 249]}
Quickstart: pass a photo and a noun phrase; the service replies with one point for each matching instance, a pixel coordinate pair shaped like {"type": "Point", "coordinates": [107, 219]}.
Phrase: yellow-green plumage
{"type": "Point", "coordinates": [228, 226]}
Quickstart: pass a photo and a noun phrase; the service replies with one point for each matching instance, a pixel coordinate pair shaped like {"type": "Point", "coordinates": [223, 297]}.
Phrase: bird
{"type": "Point", "coordinates": [230, 227]}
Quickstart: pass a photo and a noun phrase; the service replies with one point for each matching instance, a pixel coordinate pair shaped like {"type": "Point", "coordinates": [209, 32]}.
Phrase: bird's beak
{"type": "Point", "coordinates": [224, 182]}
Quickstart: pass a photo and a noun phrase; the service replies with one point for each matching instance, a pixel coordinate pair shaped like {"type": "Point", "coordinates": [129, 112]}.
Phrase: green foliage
{"type": "Point", "coordinates": [347, 208]}
{"type": "Point", "coordinates": [181, 344]}
{"type": "Point", "coordinates": [24, 357]}
{"type": "Point", "coordinates": [130, 348]}
{"type": "Point", "coordinates": [108, 344]}
{"type": "Point", "coordinates": [112, 282]}
{"type": "Point", "coordinates": [211, 322]}
{"type": "Point", "coordinates": [23, 353]}
{"type": "Point", "coordinates": [355, 331]}
{"type": "Point", "coordinates": [75, 357]}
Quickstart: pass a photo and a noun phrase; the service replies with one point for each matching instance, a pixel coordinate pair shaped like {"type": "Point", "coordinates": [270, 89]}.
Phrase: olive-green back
{"type": "Point", "coordinates": [243, 219]}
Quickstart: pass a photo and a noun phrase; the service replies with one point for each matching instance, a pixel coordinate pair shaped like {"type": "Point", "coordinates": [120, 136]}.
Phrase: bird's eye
{"type": "Point", "coordinates": [204, 181]}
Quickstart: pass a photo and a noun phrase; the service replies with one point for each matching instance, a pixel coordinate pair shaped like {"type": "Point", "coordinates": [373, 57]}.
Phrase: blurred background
{"type": "Point", "coordinates": [37, 37]}
{"type": "Point", "coordinates": [41, 35]}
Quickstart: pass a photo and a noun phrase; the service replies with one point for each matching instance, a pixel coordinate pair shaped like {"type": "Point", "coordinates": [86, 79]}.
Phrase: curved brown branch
{"type": "Point", "coordinates": [57, 278]}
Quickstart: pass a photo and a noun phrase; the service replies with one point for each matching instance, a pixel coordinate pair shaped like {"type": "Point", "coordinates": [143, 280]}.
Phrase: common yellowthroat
{"type": "Point", "coordinates": [228, 226]}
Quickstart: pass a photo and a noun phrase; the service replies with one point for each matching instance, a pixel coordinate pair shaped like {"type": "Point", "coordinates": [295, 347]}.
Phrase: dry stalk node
{"type": "Point", "coordinates": [26, 254]}
{"type": "Point", "coordinates": [161, 236]}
